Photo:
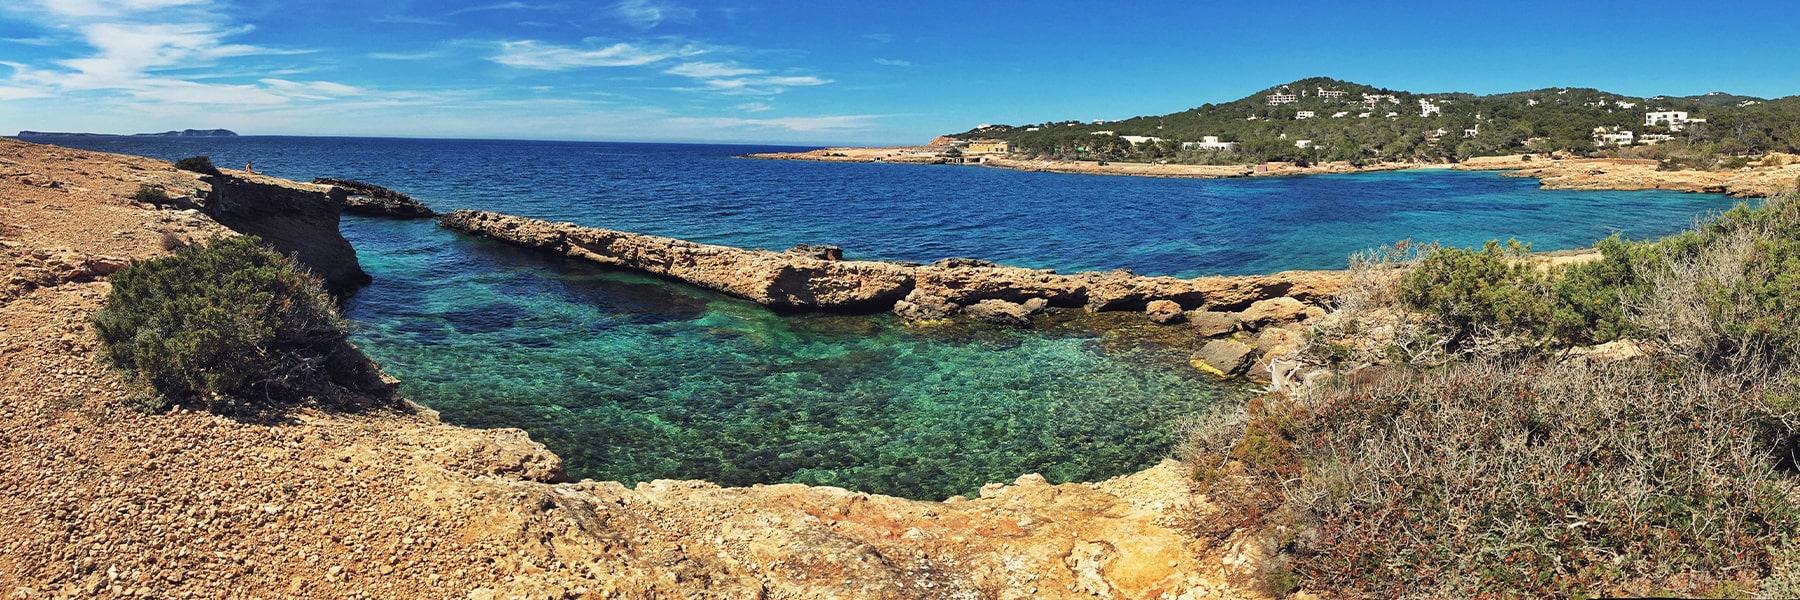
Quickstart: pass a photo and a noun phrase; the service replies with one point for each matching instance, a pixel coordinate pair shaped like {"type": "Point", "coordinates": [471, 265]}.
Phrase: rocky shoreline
{"type": "Point", "coordinates": [1250, 320]}
{"type": "Point", "coordinates": [1761, 180]}
{"type": "Point", "coordinates": [387, 502]}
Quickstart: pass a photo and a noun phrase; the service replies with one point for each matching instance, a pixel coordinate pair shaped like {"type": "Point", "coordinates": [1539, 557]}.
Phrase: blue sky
{"type": "Point", "coordinates": [819, 72]}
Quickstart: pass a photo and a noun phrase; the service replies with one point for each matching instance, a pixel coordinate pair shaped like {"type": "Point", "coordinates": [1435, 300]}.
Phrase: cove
{"type": "Point", "coordinates": [630, 378]}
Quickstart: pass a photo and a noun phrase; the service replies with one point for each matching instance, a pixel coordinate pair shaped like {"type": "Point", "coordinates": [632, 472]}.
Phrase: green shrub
{"type": "Point", "coordinates": [150, 194]}
{"type": "Point", "coordinates": [1589, 299]}
{"type": "Point", "coordinates": [197, 164]}
{"type": "Point", "coordinates": [1474, 292]}
{"type": "Point", "coordinates": [226, 319]}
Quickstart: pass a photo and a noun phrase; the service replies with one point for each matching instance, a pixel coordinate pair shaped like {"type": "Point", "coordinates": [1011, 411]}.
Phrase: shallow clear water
{"type": "Point", "coordinates": [632, 378]}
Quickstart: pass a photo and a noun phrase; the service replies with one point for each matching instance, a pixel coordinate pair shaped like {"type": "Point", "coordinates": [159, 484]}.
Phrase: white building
{"type": "Point", "coordinates": [1426, 108]}
{"type": "Point", "coordinates": [1302, 143]}
{"type": "Point", "coordinates": [1209, 142]}
{"type": "Point", "coordinates": [1617, 138]}
{"type": "Point", "coordinates": [1276, 99]}
{"type": "Point", "coordinates": [1654, 138]}
{"type": "Point", "coordinates": [1325, 93]}
{"type": "Point", "coordinates": [1673, 118]}
{"type": "Point", "coordinates": [1340, 114]}
{"type": "Point", "coordinates": [1305, 114]}
{"type": "Point", "coordinates": [1139, 139]}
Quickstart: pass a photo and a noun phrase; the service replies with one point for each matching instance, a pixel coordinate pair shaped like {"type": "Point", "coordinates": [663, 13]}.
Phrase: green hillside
{"type": "Point", "coordinates": [1365, 124]}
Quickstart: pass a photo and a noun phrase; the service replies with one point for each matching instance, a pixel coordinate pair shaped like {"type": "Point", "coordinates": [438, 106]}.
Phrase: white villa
{"type": "Point", "coordinates": [1426, 108]}
{"type": "Point", "coordinates": [1276, 99]}
{"type": "Point", "coordinates": [1209, 142]}
{"type": "Point", "coordinates": [1305, 114]}
{"type": "Point", "coordinates": [1675, 119]}
{"type": "Point", "coordinates": [1139, 139]}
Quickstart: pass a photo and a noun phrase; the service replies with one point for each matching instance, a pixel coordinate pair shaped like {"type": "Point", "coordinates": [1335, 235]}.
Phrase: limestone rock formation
{"type": "Point", "coordinates": [781, 281]}
{"type": "Point", "coordinates": [368, 199]}
{"type": "Point", "coordinates": [294, 218]}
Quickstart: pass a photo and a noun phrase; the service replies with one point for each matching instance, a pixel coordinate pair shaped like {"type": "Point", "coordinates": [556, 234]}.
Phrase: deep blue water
{"type": "Point", "coordinates": [633, 378]}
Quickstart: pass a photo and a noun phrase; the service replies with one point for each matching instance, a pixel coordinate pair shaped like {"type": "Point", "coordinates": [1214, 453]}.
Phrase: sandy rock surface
{"type": "Point", "coordinates": [103, 501]}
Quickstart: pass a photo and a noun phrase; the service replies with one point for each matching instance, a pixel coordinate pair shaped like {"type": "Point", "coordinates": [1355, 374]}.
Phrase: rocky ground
{"type": "Point", "coordinates": [103, 501]}
{"type": "Point", "coordinates": [1759, 180]}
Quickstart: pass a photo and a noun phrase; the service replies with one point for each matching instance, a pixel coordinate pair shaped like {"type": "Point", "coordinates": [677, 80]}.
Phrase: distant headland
{"type": "Point", "coordinates": [182, 133]}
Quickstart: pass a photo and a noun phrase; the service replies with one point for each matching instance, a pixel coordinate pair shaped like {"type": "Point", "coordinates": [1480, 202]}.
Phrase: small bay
{"type": "Point", "coordinates": [632, 378]}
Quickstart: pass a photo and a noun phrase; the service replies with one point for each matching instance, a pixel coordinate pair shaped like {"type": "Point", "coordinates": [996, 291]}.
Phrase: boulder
{"type": "Point", "coordinates": [1212, 323]}
{"type": "Point", "coordinates": [1000, 312]}
{"type": "Point", "coordinates": [1273, 311]}
{"type": "Point", "coordinates": [924, 307]}
{"type": "Point", "coordinates": [373, 200]}
{"type": "Point", "coordinates": [1222, 358]}
{"type": "Point", "coordinates": [1164, 312]}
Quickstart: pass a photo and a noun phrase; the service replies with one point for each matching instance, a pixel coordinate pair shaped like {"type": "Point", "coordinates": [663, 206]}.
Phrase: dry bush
{"type": "Point", "coordinates": [1366, 323]}
{"type": "Point", "coordinates": [1540, 480]}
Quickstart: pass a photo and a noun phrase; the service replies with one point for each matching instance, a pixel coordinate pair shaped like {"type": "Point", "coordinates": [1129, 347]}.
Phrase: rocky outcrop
{"type": "Point", "coordinates": [815, 278]}
{"type": "Point", "coordinates": [781, 281]}
{"type": "Point", "coordinates": [294, 218]}
{"type": "Point", "coordinates": [368, 199]}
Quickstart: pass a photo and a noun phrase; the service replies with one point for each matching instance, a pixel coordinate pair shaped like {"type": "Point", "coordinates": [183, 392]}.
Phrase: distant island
{"type": "Point", "coordinates": [182, 133]}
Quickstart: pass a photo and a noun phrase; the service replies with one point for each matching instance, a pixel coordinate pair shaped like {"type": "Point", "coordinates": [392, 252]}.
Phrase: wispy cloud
{"type": "Point", "coordinates": [647, 14]}
{"type": "Point", "coordinates": [833, 124]}
{"type": "Point", "coordinates": [754, 107]}
{"type": "Point", "coordinates": [502, 6]}
{"type": "Point", "coordinates": [710, 70]}
{"type": "Point", "coordinates": [529, 54]}
{"type": "Point", "coordinates": [893, 62]}
{"type": "Point", "coordinates": [405, 55]}
{"type": "Point", "coordinates": [731, 78]}
{"type": "Point", "coordinates": [408, 20]}
{"type": "Point", "coordinates": [109, 8]}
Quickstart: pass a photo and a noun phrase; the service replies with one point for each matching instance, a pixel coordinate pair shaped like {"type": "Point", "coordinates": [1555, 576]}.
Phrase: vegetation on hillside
{"type": "Point", "coordinates": [1491, 456]}
{"type": "Point", "coordinates": [1559, 120]}
{"type": "Point", "coordinates": [225, 321]}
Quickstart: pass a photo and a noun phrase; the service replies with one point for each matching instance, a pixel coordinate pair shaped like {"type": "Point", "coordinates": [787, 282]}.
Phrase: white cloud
{"type": "Point", "coordinates": [754, 107]}
{"type": "Point", "coordinates": [834, 124]}
{"type": "Point", "coordinates": [709, 70]}
{"type": "Point", "coordinates": [109, 8]}
{"type": "Point", "coordinates": [502, 6]}
{"type": "Point", "coordinates": [647, 14]}
{"type": "Point", "coordinates": [530, 54]}
{"type": "Point", "coordinates": [731, 78]}
{"type": "Point", "coordinates": [893, 62]}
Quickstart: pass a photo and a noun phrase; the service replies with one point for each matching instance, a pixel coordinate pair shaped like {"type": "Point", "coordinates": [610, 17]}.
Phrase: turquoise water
{"type": "Point", "coordinates": [631, 378]}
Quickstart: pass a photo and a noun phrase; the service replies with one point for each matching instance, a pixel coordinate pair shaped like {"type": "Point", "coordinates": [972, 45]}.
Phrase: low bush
{"type": "Point", "coordinates": [197, 164]}
{"type": "Point", "coordinates": [150, 194]}
{"type": "Point", "coordinates": [1530, 480]}
{"type": "Point", "coordinates": [225, 321]}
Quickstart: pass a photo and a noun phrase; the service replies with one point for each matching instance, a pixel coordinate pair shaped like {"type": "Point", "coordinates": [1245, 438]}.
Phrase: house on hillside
{"type": "Point", "coordinates": [1325, 93]}
{"type": "Point", "coordinates": [1604, 136]}
{"type": "Point", "coordinates": [1675, 119]}
{"type": "Point", "coordinates": [1305, 114]}
{"type": "Point", "coordinates": [1139, 139]}
{"type": "Point", "coordinates": [1279, 99]}
{"type": "Point", "coordinates": [1209, 142]}
{"type": "Point", "coordinates": [1302, 143]}
{"type": "Point", "coordinates": [1427, 108]}
{"type": "Point", "coordinates": [987, 147]}
{"type": "Point", "coordinates": [1340, 114]}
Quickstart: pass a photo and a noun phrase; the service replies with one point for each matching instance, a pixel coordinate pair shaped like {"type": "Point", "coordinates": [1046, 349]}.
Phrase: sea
{"type": "Point", "coordinates": [634, 378]}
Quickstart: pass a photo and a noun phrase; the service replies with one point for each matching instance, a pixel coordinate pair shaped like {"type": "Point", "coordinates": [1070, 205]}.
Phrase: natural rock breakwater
{"type": "Point", "coordinates": [807, 280]}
